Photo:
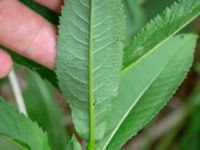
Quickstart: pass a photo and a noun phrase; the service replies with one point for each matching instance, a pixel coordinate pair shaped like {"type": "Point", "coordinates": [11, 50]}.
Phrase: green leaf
{"type": "Point", "coordinates": [7, 144]}
{"type": "Point", "coordinates": [21, 129]}
{"type": "Point", "coordinates": [89, 61]}
{"type": "Point", "coordinates": [134, 16]}
{"type": "Point", "coordinates": [3, 80]}
{"type": "Point", "coordinates": [48, 116]}
{"type": "Point", "coordinates": [160, 29]}
{"type": "Point", "coordinates": [146, 87]}
{"type": "Point", "coordinates": [73, 144]}
{"type": "Point", "coordinates": [197, 68]}
{"type": "Point", "coordinates": [154, 7]}
{"type": "Point", "coordinates": [191, 135]}
{"type": "Point", "coordinates": [192, 102]}
{"type": "Point", "coordinates": [51, 16]}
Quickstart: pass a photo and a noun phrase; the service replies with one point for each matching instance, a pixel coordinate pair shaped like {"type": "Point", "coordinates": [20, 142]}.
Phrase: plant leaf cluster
{"type": "Point", "coordinates": [113, 89]}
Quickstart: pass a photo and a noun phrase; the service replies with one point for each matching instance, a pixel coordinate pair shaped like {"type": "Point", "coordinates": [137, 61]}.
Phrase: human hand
{"type": "Point", "coordinates": [27, 33]}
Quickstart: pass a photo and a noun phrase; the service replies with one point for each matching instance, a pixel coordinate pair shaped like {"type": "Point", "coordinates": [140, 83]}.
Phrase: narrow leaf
{"type": "Point", "coordinates": [50, 15]}
{"type": "Point", "coordinates": [160, 29]}
{"type": "Point", "coordinates": [190, 136]}
{"type": "Point", "coordinates": [197, 68]}
{"type": "Point", "coordinates": [21, 129]}
{"type": "Point", "coordinates": [135, 17]}
{"type": "Point", "coordinates": [7, 144]}
{"type": "Point", "coordinates": [73, 144]}
{"type": "Point", "coordinates": [151, 12]}
{"type": "Point", "coordinates": [141, 96]}
{"type": "Point", "coordinates": [89, 61]}
{"type": "Point", "coordinates": [48, 116]}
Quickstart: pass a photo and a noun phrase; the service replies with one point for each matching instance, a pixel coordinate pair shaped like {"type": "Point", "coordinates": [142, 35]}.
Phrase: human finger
{"type": "Point", "coordinates": [5, 64]}
{"type": "Point", "coordinates": [26, 32]}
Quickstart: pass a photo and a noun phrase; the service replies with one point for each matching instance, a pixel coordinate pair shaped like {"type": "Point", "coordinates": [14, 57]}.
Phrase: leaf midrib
{"type": "Point", "coordinates": [135, 102]}
{"type": "Point", "coordinates": [91, 94]}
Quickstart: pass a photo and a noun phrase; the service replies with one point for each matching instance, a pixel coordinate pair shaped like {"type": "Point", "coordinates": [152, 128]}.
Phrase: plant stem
{"type": "Point", "coordinates": [17, 92]}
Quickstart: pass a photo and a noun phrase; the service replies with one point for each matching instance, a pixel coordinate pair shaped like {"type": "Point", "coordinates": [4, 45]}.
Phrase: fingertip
{"type": "Point", "coordinates": [5, 64]}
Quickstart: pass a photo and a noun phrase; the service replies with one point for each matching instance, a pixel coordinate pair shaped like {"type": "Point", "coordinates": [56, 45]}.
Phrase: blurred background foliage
{"type": "Point", "coordinates": [177, 127]}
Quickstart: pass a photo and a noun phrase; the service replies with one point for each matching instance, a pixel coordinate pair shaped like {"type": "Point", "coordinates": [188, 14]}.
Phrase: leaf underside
{"type": "Point", "coordinates": [135, 17]}
{"type": "Point", "coordinates": [141, 96]}
{"type": "Point", "coordinates": [89, 60]}
{"type": "Point", "coordinates": [161, 29]}
{"type": "Point", "coordinates": [21, 129]}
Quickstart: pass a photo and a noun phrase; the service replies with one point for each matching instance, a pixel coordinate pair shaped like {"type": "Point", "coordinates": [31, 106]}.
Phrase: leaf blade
{"type": "Point", "coordinates": [88, 47]}
{"type": "Point", "coordinates": [197, 68]}
{"type": "Point", "coordinates": [48, 14]}
{"type": "Point", "coordinates": [156, 97]}
{"type": "Point", "coordinates": [135, 17]}
{"type": "Point", "coordinates": [135, 89]}
{"type": "Point", "coordinates": [73, 144]}
{"type": "Point", "coordinates": [49, 118]}
{"type": "Point", "coordinates": [162, 28]}
{"type": "Point", "coordinates": [21, 129]}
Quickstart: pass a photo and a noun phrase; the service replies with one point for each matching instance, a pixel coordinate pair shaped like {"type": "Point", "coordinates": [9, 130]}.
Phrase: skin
{"type": "Point", "coordinates": [27, 33]}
